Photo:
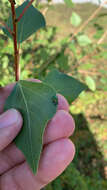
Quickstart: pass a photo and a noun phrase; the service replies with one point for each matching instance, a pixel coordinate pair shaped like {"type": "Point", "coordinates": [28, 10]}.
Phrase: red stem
{"type": "Point", "coordinates": [16, 50]}
{"type": "Point", "coordinates": [24, 10]}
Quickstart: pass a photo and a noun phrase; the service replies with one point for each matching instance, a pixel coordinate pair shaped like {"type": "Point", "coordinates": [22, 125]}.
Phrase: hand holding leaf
{"type": "Point", "coordinates": [55, 137]}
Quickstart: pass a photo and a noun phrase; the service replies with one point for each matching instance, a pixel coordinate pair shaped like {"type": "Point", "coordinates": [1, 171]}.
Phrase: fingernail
{"type": "Point", "coordinates": [9, 118]}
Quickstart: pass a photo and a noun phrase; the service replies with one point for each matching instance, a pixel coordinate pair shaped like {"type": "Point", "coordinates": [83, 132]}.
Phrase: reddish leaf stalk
{"type": "Point", "coordinates": [9, 30]}
{"type": "Point", "coordinates": [16, 50]}
{"type": "Point", "coordinates": [14, 34]}
{"type": "Point", "coordinates": [24, 10]}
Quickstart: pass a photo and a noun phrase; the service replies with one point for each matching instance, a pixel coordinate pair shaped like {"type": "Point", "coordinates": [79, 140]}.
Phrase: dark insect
{"type": "Point", "coordinates": [55, 100]}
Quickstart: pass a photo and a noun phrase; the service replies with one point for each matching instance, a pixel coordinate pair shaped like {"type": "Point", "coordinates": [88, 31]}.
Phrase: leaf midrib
{"type": "Point", "coordinates": [30, 136]}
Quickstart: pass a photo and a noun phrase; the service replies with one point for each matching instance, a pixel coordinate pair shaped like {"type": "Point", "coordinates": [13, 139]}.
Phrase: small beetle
{"type": "Point", "coordinates": [55, 100]}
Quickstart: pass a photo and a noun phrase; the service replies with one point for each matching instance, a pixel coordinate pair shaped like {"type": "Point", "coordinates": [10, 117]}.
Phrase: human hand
{"type": "Point", "coordinates": [58, 150]}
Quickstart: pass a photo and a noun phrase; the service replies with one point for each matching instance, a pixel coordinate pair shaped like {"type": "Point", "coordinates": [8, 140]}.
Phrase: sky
{"type": "Point", "coordinates": [82, 1]}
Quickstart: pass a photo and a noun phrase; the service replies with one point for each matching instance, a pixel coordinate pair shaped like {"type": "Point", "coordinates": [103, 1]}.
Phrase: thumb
{"type": "Point", "coordinates": [10, 125]}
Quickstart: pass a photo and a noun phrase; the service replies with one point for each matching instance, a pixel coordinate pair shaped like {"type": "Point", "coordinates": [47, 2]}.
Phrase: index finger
{"type": "Point", "coordinates": [4, 93]}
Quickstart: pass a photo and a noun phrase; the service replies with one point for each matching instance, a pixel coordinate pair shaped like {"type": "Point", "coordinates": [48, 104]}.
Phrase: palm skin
{"type": "Point", "coordinates": [58, 150]}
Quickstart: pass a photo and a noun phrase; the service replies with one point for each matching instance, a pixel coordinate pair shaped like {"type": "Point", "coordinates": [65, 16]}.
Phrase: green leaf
{"type": "Point", "coordinates": [31, 21]}
{"type": "Point", "coordinates": [98, 34]}
{"type": "Point", "coordinates": [37, 102]}
{"type": "Point", "coordinates": [83, 40]}
{"type": "Point", "coordinates": [69, 3]}
{"type": "Point", "coordinates": [104, 80]}
{"type": "Point", "coordinates": [90, 83]}
{"type": "Point", "coordinates": [103, 71]}
{"type": "Point", "coordinates": [75, 19]}
{"type": "Point", "coordinates": [104, 54]}
{"type": "Point", "coordinates": [86, 66]}
{"type": "Point", "coordinates": [65, 85]}
{"type": "Point", "coordinates": [73, 48]}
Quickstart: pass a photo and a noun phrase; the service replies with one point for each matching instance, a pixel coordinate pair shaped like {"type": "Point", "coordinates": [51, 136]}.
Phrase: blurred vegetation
{"type": "Point", "coordinates": [85, 58]}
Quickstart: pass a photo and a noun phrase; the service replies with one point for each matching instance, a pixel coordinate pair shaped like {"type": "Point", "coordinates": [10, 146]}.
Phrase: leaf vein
{"type": "Point", "coordinates": [30, 136]}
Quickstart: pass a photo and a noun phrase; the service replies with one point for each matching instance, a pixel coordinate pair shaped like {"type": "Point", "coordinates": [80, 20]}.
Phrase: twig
{"type": "Point", "coordinates": [84, 58]}
{"type": "Point", "coordinates": [24, 10]}
{"type": "Point", "coordinates": [88, 20]}
{"type": "Point", "coordinates": [9, 30]}
{"type": "Point", "coordinates": [46, 8]}
{"type": "Point", "coordinates": [88, 72]}
{"type": "Point", "coordinates": [102, 38]}
{"type": "Point", "coordinates": [16, 50]}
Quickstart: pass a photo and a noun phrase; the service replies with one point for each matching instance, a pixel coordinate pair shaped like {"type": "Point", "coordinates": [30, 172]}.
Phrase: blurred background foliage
{"type": "Point", "coordinates": [84, 56]}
